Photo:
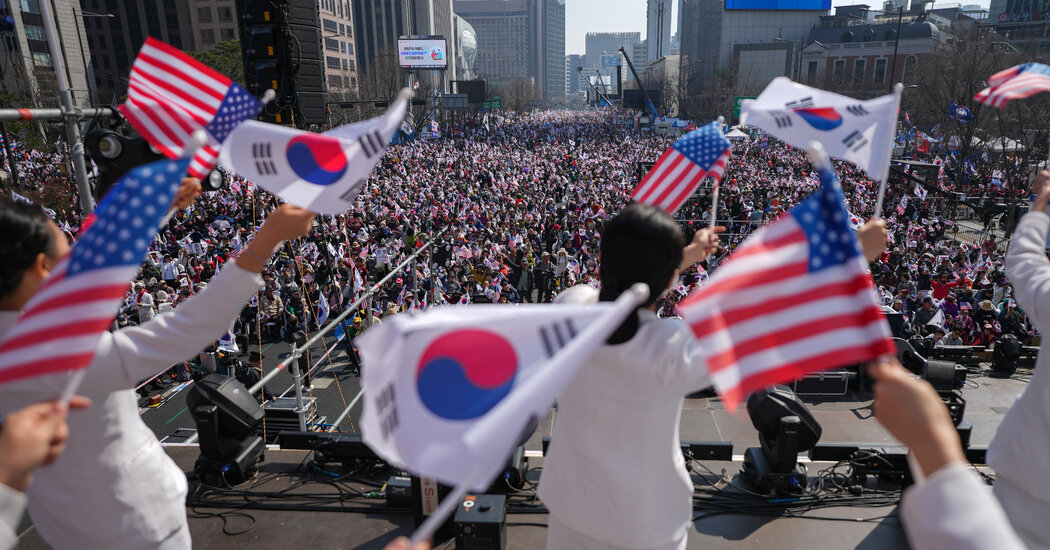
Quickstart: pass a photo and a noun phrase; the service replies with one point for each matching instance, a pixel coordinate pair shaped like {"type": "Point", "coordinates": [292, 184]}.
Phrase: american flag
{"type": "Point", "coordinates": [60, 326]}
{"type": "Point", "coordinates": [1015, 83]}
{"type": "Point", "coordinates": [171, 95]}
{"type": "Point", "coordinates": [794, 298]}
{"type": "Point", "coordinates": [697, 155]}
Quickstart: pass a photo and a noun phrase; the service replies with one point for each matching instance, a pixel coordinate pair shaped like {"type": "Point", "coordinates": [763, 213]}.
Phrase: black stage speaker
{"type": "Point", "coordinates": [282, 51]}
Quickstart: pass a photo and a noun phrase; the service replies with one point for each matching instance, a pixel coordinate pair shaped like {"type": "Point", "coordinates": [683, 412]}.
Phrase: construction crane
{"type": "Point", "coordinates": [648, 101]}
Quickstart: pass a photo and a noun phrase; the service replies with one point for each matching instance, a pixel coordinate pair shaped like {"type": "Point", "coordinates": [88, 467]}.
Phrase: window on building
{"type": "Point", "coordinates": [41, 59]}
{"type": "Point", "coordinates": [330, 26]}
{"type": "Point", "coordinates": [332, 62]}
{"type": "Point", "coordinates": [350, 49]}
{"type": "Point", "coordinates": [102, 41]}
{"type": "Point", "coordinates": [811, 73]}
{"type": "Point", "coordinates": [208, 36]}
{"type": "Point", "coordinates": [345, 66]}
{"type": "Point", "coordinates": [353, 82]}
{"type": "Point", "coordinates": [839, 71]}
{"type": "Point", "coordinates": [105, 62]}
{"type": "Point", "coordinates": [35, 32]}
{"type": "Point", "coordinates": [352, 66]}
{"type": "Point", "coordinates": [29, 6]}
{"type": "Point", "coordinates": [229, 33]}
{"type": "Point", "coordinates": [204, 14]}
{"type": "Point", "coordinates": [342, 28]}
{"type": "Point", "coordinates": [909, 68]}
{"type": "Point", "coordinates": [858, 71]}
{"type": "Point", "coordinates": [225, 14]}
{"type": "Point", "coordinates": [331, 45]}
{"type": "Point", "coordinates": [880, 72]}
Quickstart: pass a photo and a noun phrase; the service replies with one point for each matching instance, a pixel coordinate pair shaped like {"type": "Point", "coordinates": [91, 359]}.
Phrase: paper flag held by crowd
{"type": "Point", "coordinates": [672, 180]}
{"type": "Point", "coordinates": [319, 172]}
{"type": "Point", "coordinates": [794, 298]}
{"type": "Point", "coordinates": [451, 391]}
{"type": "Point", "coordinates": [61, 324]}
{"type": "Point", "coordinates": [1018, 82]}
{"type": "Point", "coordinates": [860, 132]}
{"type": "Point", "coordinates": [171, 95]}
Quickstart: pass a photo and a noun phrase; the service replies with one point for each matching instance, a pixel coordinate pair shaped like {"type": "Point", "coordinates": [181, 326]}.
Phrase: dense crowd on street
{"type": "Point", "coordinates": [513, 212]}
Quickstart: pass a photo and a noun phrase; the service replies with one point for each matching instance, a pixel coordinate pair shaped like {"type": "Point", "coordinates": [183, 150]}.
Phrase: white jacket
{"type": "Point", "coordinates": [114, 487]}
{"type": "Point", "coordinates": [614, 470]}
{"type": "Point", "coordinates": [954, 509]}
{"type": "Point", "coordinates": [12, 505]}
{"type": "Point", "coordinates": [1020, 451]}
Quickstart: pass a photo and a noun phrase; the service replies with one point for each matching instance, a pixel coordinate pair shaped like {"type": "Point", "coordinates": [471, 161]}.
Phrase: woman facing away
{"type": "Point", "coordinates": [115, 487]}
{"type": "Point", "coordinates": [615, 476]}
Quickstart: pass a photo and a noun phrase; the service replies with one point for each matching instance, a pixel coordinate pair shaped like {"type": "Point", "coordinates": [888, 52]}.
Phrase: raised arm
{"type": "Point", "coordinates": [1026, 262]}
{"type": "Point", "coordinates": [134, 353]}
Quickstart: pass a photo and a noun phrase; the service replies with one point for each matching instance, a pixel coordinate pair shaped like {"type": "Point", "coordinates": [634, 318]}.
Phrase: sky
{"type": "Point", "coordinates": [584, 16]}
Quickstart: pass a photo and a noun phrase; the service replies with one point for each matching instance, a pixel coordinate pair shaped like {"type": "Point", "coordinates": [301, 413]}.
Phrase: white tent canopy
{"type": "Point", "coordinates": [735, 135]}
{"type": "Point", "coordinates": [1004, 145]}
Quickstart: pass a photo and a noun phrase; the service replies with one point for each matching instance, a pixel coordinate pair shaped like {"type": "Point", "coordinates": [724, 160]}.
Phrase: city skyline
{"type": "Point", "coordinates": [584, 16]}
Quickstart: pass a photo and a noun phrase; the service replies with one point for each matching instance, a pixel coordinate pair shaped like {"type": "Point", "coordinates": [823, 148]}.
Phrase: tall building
{"type": "Point", "coordinates": [657, 29]}
{"type": "Point", "coordinates": [211, 22]}
{"type": "Point", "coordinates": [503, 38]}
{"type": "Point", "coordinates": [598, 43]}
{"type": "Point", "coordinates": [115, 40]}
{"type": "Point", "coordinates": [379, 23]}
{"type": "Point", "coordinates": [519, 40]}
{"type": "Point", "coordinates": [574, 85]}
{"type": "Point", "coordinates": [723, 38]}
{"type": "Point", "coordinates": [29, 69]}
{"type": "Point", "coordinates": [552, 44]}
{"type": "Point", "coordinates": [339, 59]}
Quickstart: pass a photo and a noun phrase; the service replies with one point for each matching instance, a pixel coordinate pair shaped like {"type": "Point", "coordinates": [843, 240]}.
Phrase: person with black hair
{"type": "Point", "coordinates": [115, 487]}
{"type": "Point", "coordinates": [614, 476]}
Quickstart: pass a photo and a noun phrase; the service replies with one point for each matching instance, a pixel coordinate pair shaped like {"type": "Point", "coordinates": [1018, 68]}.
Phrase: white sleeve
{"type": "Point", "coordinates": [1026, 266]}
{"type": "Point", "coordinates": [133, 353]}
{"type": "Point", "coordinates": [12, 506]}
{"type": "Point", "coordinates": [954, 509]}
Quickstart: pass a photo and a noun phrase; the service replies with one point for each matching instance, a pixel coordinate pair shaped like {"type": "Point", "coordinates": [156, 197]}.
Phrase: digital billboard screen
{"type": "Point", "coordinates": [416, 53]}
{"type": "Point", "coordinates": [823, 5]}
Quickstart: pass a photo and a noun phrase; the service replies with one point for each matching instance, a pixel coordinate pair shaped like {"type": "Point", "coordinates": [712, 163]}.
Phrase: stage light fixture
{"type": "Point", "coordinates": [785, 428]}
{"type": "Point", "coordinates": [227, 419]}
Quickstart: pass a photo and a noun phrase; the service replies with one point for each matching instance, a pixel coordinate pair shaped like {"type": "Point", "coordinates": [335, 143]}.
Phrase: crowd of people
{"type": "Point", "coordinates": [511, 213]}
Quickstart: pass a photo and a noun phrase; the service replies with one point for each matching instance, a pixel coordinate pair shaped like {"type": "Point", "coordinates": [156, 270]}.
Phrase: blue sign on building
{"type": "Point", "coordinates": [823, 5]}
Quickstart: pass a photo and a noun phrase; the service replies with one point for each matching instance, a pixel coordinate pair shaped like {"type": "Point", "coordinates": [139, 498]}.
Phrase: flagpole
{"type": "Point", "coordinates": [898, 88]}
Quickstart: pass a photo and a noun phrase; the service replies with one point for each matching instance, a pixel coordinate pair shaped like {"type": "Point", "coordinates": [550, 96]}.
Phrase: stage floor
{"type": "Point", "coordinates": [844, 419]}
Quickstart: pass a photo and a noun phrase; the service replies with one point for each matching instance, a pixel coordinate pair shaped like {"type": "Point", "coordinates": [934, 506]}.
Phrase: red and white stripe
{"type": "Point", "coordinates": [1021, 86]}
{"type": "Point", "coordinates": [673, 180]}
{"type": "Point", "coordinates": [61, 325]}
{"type": "Point", "coordinates": [763, 318]}
{"type": "Point", "coordinates": [171, 95]}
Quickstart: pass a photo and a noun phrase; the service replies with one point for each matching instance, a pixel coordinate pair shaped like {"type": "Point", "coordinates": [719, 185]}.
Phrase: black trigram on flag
{"type": "Point", "coordinates": [800, 103]}
{"type": "Point", "coordinates": [351, 193]}
{"type": "Point", "coordinates": [855, 141]}
{"type": "Point", "coordinates": [371, 143]}
{"type": "Point", "coordinates": [857, 110]}
{"type": "Point", "coordinates": [557, 335]}
{"type": "Point", "coordinates": [263, 155]}
{"type": "Point", "coordinates": [386, 409]}
{"type": "Point", "coordinates": [782, 118]}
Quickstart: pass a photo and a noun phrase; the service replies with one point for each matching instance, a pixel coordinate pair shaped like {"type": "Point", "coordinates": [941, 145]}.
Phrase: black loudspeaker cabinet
{"type": "Point", "coordinates": [481, 523]}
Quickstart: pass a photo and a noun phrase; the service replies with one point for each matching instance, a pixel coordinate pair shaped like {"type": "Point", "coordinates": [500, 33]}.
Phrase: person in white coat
{"type": "Point", "coordinates": [1020, 450]}
{"type": "Point", "coordinates": [614, 477]}
{"type": "Point", "coordinates": [949, 506]}
{"type": "Point", "coordinates": [115, 487]}
{"type": "Point", "coordinates": [29, 438]}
